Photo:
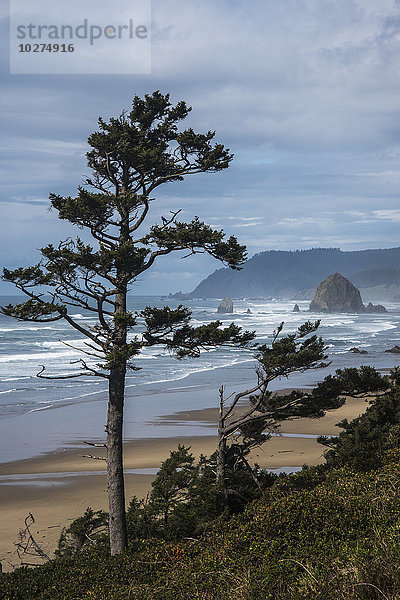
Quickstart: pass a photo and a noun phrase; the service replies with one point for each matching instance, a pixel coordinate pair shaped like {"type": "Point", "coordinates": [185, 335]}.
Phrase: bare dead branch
{"type": "Point", "coordinates": [277, 332]}
{"type": "Point", "coordinates": [373, 586]}
{"type": "Point", "coordinates": [89, 373]}
{"type": "Point", "coordinates": [244, 394]}
{"type": "Point", "coordinates": [248, 467]}
{"type": "Point", "coordinates": [95, 445]}
{"type": "Point", "coordinates": [300, 564]}
{"type": "Point", "coordinates": [90, 370]}
{"type": "Point", "coordinates": [81, 350]}
{"type": "Point", "coordinates": [27, 544]}
{"type": "Point", "coordinates": [93, 457]}
{"type": "Point", "coordinates": [82, 330]}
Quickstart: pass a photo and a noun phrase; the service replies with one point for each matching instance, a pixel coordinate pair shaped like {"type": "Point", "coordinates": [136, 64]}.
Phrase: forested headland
{"type": "Point", "coordinates": [285, 274]}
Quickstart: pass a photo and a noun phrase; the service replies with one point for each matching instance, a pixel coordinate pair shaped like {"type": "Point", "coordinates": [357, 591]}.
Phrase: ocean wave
{"type": "Point", "coordinates": [40, 408]}
{"type": "Point", "coordinates": [151, 353]}
{"type": "Point", "coordinates": [178, 377]}
{"type": "Point", "coordinates": [50, 345]}
{"type": "Point", "coordinates": [340, 333]}
{"type": "Point", "coordinates": [8, 329]}
{"type": "Point", "coordinates": [79, 396]}
{"type": "Point", "coordinates": [376, 327]}
{"type": "Point", "coordinates": [30, 357]}
{"type": "Point", "coordinates": [80, 316]}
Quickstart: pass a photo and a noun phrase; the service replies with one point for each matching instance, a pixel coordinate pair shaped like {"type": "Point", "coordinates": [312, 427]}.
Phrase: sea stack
{"type": "Point", "coordinates": [226, 306]}
{"type": "Point", "coordinates": [336, 294]}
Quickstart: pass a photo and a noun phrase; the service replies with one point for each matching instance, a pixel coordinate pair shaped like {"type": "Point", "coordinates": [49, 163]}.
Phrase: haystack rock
{"type": "Point", "coordinates": [337, 294]}
{"type": "Point", "coordinates": [226, 306]}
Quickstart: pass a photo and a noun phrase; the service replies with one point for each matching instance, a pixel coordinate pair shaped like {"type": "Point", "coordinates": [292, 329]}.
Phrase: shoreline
{"type": "Point", "coordinates": [68, 424]}
{"type": "Point", "coordinates": [57, 487]}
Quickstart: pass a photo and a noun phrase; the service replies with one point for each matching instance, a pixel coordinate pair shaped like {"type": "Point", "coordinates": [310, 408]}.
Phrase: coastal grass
{"type": "Point", "coordinates": [328, 534]}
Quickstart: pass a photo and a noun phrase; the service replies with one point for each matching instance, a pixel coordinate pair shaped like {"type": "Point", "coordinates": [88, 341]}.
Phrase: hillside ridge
{"type": "Point", "coordinates": [284, 273]}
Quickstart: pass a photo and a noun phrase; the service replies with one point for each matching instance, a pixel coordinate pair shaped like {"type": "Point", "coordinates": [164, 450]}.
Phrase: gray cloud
{"type": "Point", "coordinates": [304, 92]}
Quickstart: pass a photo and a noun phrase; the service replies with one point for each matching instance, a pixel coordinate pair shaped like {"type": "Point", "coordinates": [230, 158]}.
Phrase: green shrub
{"type": "Point", "coordinates": [334, 539]}
{"type": "Point", "coordinates": [87, 530]}
{"type": "Point", "coordinates": [364, 441]}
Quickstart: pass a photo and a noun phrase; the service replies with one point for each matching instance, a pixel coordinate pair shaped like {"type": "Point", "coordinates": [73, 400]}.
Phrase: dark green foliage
{"type": "Point", "coordinates": [130, 157]}
{"type": "Point", "coordinates": [172, 483]}
{"type": "Point", "coordinates": [142, 521]}
{"type": "Point", "coordinates": [363, 442]}
{"type": "Point", "coordinates": [159, 320]}
{"type": "Point", "coordinates": [83, 532]}
{"type": "Point", "coordinates": [297, 352]}
{"type": "Point", "coordinates": [196, 235]}
{"type": "Point", "coordinates": [126, 319]}
{"type": "Point", "coordinates": [34, 310]}
{"type": "Point", "coordinates": [146, 141]}
{"type": "Point", "coordinates": [183, 500]}
{"type": "Point", "coordinates": [186, 499]}
{"type": "Point", "coordinates": [29, 277]}
{"type": "Point", "coordinates": [118, 356]}
{"type": "Point", "coordinates": [327, 394]}
{"type": "Point", "coordinates": [362, 381]}
{"type": "Point", "coordinates": [336, 540]}
{"type": "Point", "coordinates": [88, 209]}
{"type": "Point", "coordinates": [293, 352]}
{"type": "Point", "coordinates": [171, 327]}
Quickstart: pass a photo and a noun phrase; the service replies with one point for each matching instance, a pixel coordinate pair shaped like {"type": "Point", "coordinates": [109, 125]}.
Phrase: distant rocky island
{"type": "Point", "coordinates": [226, 306]}
{"type": "Point", "coordinates": [296, 274]}
{"type": "Point", "coordinates": [180, 296]}
{"type": "Point", "coordinates": [336, 294]}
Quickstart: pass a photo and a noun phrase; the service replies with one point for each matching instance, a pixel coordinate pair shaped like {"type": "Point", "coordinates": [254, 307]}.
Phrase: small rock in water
{"type": "Point", "coordinates": [296, 308]}
{"type": "Point", "coordinates": [394, 350]}
{"type": "Point", "coordinates": [358, 351]}
{"type": "Point", "coordinates": [375, 308]}
{"type": "Point", "coordinates": [226, 306]}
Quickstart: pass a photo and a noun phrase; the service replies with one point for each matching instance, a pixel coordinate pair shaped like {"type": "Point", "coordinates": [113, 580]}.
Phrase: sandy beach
{"type": "Point", "coordinates": [58, 487]}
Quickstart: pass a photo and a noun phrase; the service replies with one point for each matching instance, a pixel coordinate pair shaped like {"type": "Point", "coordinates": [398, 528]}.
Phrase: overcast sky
{"type": "Point", "coordinates": [305, 93]}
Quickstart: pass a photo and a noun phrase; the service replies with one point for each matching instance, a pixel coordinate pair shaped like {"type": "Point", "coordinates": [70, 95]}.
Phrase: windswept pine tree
{"type": "Point", "coordinates": [130, 157]}
{"type": "Point", "coordinates": [264, 410]}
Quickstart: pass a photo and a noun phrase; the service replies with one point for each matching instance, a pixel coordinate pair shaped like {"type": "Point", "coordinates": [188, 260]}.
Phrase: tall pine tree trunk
{"type": "Point", "coordinates": [115, 473]}
{"type": "Point", "coordinates": [115, 418]}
